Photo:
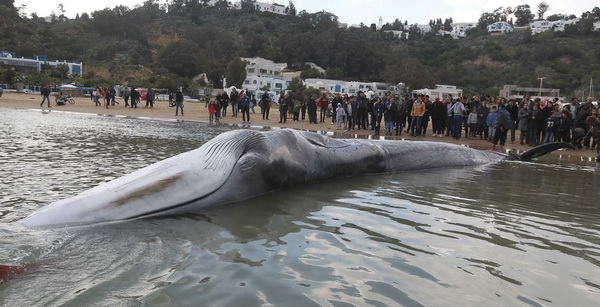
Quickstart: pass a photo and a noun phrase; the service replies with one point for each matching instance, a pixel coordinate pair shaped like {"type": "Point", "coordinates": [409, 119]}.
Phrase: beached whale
{"type": "Point", "coordinates": [241, 164]}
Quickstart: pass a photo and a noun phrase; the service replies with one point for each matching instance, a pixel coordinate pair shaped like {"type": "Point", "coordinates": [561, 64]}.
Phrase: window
{"type": "Point", "coordinates": [251, 70]}
{"type": "Point", "coordinates": [254, 82]}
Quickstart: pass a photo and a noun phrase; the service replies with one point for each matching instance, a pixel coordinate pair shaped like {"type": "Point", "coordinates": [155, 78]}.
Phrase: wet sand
{"type": "Point", "coordinates": [196, 111]}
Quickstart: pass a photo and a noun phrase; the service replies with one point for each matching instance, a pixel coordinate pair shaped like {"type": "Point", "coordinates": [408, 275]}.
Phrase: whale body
{"type": "Point", "coordinates": [241, 164]}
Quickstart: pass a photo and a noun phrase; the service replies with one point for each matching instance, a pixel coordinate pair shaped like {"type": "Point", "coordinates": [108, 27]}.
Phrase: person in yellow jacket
{"type": "Point", "coordinates": [417, 112]}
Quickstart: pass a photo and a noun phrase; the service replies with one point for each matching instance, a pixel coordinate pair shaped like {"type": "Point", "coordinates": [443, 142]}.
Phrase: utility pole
{"type": "Point", "coordinates": [541, 81]}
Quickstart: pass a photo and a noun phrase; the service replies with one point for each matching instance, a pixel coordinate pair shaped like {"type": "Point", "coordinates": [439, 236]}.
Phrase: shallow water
{"type": "Point", "coordinates": [505, 234]}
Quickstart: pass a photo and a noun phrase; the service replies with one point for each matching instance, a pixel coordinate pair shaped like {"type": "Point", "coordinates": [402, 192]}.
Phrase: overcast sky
{"type": "Point", "coordinates": [350, 11]}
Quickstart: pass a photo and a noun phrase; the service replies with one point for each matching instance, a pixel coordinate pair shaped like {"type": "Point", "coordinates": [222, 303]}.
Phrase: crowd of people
{"type": "Point", "coordinates": [530, 122]}
{"type": "Point", "coordinates": [107, 97]}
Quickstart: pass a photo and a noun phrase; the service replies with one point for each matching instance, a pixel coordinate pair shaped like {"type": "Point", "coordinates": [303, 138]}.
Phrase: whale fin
{"type": "Point", "coordinates": [544, 149]}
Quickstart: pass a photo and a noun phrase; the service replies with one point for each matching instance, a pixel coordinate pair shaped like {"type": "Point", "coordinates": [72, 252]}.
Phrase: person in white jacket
{"type": "Point", "coordinates": [340, 113]}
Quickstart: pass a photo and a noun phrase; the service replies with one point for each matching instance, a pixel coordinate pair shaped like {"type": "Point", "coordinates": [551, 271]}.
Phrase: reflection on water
{"type": "Point", "coordinates": [507, 234]}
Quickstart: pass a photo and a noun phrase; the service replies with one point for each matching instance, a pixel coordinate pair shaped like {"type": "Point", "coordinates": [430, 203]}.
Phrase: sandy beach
{"type": "Point", "coordinates": [196, 111]}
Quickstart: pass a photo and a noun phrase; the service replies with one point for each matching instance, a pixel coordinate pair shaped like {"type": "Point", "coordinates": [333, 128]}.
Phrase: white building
{"type": "Point", "coordinates": [398, 34]}
{"type": "Point", "coordinates": [35, 65]}
{"type": "Point", "coordinates": [265, 7]}
{"type": "Point", "coordinates": [350, 87]}
{"type": "Point", "coordinates": [517, 92]}
{"type": "Point", "coordinates": [540, 26]}
{"type": "Point", "coordinates": [440, 90]}
{"type": "Point", "coordinates": [424, 28]}
{"type": "Point", "coordinates": [262, 73]}
{"type": "Point", "coordinates": [500, 27]}
{"type": "Point", "coordinates": [460, 29]}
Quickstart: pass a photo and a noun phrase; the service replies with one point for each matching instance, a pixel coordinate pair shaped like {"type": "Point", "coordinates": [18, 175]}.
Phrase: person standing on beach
{"type": "Point", "coordinates": [283, 108]}
{"type": "Point", "coordinates": [593, 133]}
{"type": "Point", "coordinates": [126, 95]}
{"type": "Point", "coordinates": [150, 98]}
{"type": "Point", "coordinates": [340, 113]}
{"type": "Point", "coordinates": [224, 103]}
{"type": "Point", "coordinates": [265, 105]}
{"type": "Point", "coordinates": [212, 111]}
{"type": "Point", "coordinates": [45, 96]}
{"type": "Point", "coordinates": [336, 100]}
{"type": "Point", "coordinates": [311, 107]}
{"type": "Point", "coordinates": [417, 112]}
{"type": "Point", "coordinates": [134, 97]}
{"type": "Point", "coordinates": [458, 111]}
{"type": "Point", "coordinates": [112, 94]}
{"type": "Point", "coordinates": [233, 98]}
{"type": "Point", "coordinates": [178, 102]}
{"type": "Point", "coordinates": [324, 105]}
{"type": "Point", "coordinates": [244, 103]}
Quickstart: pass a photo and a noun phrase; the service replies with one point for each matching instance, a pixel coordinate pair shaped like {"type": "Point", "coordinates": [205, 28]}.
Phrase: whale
{"type": "Point", "coordinates": [242, 164]}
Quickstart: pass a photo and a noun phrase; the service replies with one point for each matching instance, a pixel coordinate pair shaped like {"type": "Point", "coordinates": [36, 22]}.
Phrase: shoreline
{"type": "Point", "coordinates": [196, 112]}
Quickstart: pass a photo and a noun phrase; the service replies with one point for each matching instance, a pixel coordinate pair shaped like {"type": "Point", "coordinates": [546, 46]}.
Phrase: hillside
{"type": "Point", "coordinates": [152, 46]}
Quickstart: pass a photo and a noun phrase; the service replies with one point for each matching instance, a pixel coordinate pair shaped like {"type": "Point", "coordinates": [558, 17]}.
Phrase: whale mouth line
{"type": "Point", "coordinates": [180, 205]}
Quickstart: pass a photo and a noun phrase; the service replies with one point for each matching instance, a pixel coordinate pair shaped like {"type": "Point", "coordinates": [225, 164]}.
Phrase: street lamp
{"type": "Point", "coordinates": [541, 81]}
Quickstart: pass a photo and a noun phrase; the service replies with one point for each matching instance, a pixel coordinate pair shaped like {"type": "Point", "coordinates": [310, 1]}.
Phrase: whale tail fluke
{"type": "Point", "coordinates": [544, 149]}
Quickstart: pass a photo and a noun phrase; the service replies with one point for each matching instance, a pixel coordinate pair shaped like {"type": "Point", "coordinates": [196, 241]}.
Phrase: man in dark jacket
{"type": "Point", "coordinates": [363, 111]}
{"type": "Point", "coordinates": [513, 110]}
{"type": "Point", "coordinates": [594, 132]}
{"type": "Point", "coordinates": [503, 125]}
{"type": "Point", "coordinates": [438, 117]}
{"type": "Point", "coordinates": [178, 102]}
{"type": "Point", "coordinates": [233, 99]}
{"type": "Point", "coordinates": [45, 96]}
{"type": "Point", "coordinates": [284, 104]}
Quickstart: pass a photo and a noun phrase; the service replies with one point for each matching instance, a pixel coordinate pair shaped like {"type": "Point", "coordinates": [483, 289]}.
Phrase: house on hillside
{"type": "Point", "coordinates": [500, 27]}
{"type": "Point", "coordinates": [540, 26]}
{"type": "Point", "coordinates": [265, 7]}
{"type": "Point", "coordinates": [460, 30]}
{"type": "Point", "coordinates": [398, 34]}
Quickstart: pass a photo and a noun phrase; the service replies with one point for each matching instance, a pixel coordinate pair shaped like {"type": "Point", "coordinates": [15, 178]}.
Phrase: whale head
{"type": "Point", "coordinates": [168, 185]}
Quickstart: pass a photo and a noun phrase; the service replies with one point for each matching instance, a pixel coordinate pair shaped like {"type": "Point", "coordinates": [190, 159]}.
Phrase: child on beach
{"type": "Point", "coordinates": [491, 123]}
{"type": "Point", "coordinates": [212, 110]}
{"type": "Point", "coordinates": [218, 108]}
{"type": "Point", "coordinates": [549, 124]}
{"type": "Point", "coordinates": [340, 113]}
{"type": "Point", "coordinates": [472, 122]}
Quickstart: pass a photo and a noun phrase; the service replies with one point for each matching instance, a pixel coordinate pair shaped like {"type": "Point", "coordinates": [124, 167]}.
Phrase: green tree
{"type": "Point", "coordinates": [310, 73]}
{"type": "Point", "coordinates": [9, 76]}
{"type": "Point", "coordinates": [236, 72]}
{"type": "Point", "coordinates": [292, 9]}
{"type": "Point", "coordinates": [296, 85]}
{"type": "Point", "coordinates": [523, 14]}
{"type": "Point", "coordinates": [543, 7]}
{"type": "Point", "coordinates": [180, 58]}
